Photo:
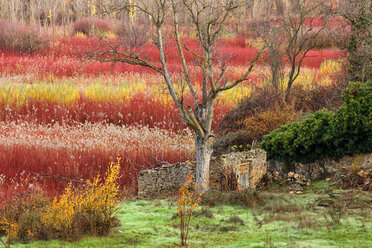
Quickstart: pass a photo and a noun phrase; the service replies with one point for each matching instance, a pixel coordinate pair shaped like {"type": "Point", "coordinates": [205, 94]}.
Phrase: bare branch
{"type": "Point", "coordinates": [244, 76]}
{"type": "Point", "coordinates": [183, 60]}
{"type": "Point", "coordinates": [111, 55]}
{"type": "Point", "coordinates": [195, 54]}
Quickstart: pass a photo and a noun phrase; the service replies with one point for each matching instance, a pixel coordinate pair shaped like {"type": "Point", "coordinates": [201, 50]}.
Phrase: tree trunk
{"type": "Point", "coordinates": [203, 156]}
{"type": "Point", "coordinates": [288, 92]}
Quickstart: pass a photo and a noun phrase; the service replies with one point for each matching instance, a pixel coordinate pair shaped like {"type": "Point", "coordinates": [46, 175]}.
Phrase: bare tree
{"type": "Point", "coordinates": [207, 19]}
{"type": "Point", "coordinates": [289, 35]}
{"type": "Point", "coordinates": [357, 14]}
{"type": "Point", "coordinates": [271, 34]}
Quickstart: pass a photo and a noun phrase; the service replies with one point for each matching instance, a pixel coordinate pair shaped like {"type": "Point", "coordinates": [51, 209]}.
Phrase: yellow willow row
{"type": "Point", "coordinates": [330, 67]}
{"type": "Point", "coordinates": [68, 94]}
{"type": "Point", "coordinates": [311, 78]}
{"type": "Point", "coordinates": [21, 94]}
{"type": "Point", "coordinates": [323, 76]}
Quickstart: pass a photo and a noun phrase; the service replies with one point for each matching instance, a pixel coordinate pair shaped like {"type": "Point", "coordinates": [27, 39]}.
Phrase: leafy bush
{"type": "Point", "coordinates": [79, 210]}
{"type": "Point", "coordinates": [326, 134]}
{"type": "Point", "coordinates": [21, 38]}
{"type": "Point", "coordinates": [20, 219]}
{"type": "Point", "coordinates": [300, 141]}
{"type": "Point", "coordinates": [352, 123]}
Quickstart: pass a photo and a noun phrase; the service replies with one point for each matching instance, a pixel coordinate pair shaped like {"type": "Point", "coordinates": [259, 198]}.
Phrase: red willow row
{"type": "Point", "coordinates": [65, 58]}
{"type": "Point", "coordinates": [38, 158]}
{"type": "Point", "coordinates": [139, 109]}
{"type": "Point", "coordinates": [29, 168]}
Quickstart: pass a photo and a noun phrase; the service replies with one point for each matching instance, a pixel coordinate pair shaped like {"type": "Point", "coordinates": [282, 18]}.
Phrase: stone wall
{"type": "Point", "coordinates": [322, 168]}
{"type": "Point", "coordinates": [169, 177]}
{"type": "Point", "coordinates": [248, 167]}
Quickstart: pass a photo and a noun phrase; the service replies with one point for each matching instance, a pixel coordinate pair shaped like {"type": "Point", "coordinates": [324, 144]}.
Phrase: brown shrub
{"type": "Point", "coordinates": [261, 99]}
{"type": "Point", "coordinates": [317, 98]}
{"type": "Point", "coordinates": [322, 41]}
{"type": "Point", "coordinates": [253, 126]}
{"type": "Point", "coordinates": [90, 25]}
{"type": "Point", "coordinates": [262, 123]}
{"type": "Point", "coordinates": [22, 38]}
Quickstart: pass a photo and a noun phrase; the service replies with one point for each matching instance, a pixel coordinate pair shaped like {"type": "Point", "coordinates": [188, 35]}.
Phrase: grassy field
{"type": "Point", "coordinates": [314, 219]}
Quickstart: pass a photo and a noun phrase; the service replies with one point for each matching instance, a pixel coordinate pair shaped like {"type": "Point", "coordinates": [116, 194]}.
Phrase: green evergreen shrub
{"type": "Point", "coordinates": [352, 123]}
{"type": "Point", "coordinates": [325, 134]}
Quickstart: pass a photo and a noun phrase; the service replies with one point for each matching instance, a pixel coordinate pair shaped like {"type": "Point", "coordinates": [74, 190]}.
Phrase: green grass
{"type": "Point", "coordinates": [283, 220]}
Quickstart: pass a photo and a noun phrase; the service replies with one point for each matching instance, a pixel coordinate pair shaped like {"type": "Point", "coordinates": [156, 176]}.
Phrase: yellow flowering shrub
{"type": "Point", "coordinates": [88, 209]}
{"type": "Point", "coordinates": [188, 201]}
{"type": "Point", "coordinates": [8, 229]}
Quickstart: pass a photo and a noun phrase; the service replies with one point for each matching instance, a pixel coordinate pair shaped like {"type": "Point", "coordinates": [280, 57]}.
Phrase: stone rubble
{"type": "Point", "coordinates": [248, 166]}
{"type": "Point", "coordinates": [322, 168]}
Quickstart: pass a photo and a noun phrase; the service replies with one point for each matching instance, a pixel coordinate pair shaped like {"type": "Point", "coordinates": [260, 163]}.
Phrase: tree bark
{"type": "Point", "coordinates": [288, 91]}
{"type": "Point", "coordinates": [203, 156]}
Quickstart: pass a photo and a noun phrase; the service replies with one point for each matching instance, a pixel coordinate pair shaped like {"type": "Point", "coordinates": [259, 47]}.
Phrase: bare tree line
{"type": "Point", "coordinates": [47, 12]}
{"type": "Point", "coordinates": [65, 12]}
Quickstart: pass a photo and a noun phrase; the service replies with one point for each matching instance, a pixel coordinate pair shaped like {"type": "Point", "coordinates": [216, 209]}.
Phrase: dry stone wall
{"type": "Point", "coordinates": [324, 167]}
{"type": "Point", "coordinates": [248, 167]}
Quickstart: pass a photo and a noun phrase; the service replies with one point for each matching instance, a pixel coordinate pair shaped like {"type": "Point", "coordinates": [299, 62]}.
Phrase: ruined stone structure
{"type": "Point", "coordinates": [323, 168]}
{"type": "Point", "coordinates": [246, 167]}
